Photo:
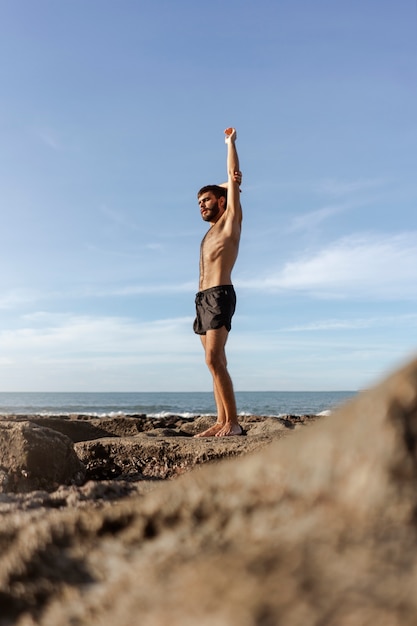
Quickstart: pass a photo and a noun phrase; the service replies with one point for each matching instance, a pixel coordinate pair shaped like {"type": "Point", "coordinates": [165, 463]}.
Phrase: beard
{"type": "Point", "coordinates": [212, 212]}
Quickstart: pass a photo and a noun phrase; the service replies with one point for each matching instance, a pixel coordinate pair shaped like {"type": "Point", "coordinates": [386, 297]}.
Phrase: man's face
{"type": "Point", "coordinates": [209, 206]}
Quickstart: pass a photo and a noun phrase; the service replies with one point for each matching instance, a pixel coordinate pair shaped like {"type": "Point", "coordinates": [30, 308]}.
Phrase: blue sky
{"type": "Point", "coordinates": [112, 117]}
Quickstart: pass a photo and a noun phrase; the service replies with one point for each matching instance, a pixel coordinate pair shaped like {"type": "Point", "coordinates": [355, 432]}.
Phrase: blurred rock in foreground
{"type": "Point", "coordinates": [318, 528]}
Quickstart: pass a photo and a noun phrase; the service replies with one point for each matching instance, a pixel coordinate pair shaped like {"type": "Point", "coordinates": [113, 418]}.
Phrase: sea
{"type": "Point", "coordinates": [160, 404]}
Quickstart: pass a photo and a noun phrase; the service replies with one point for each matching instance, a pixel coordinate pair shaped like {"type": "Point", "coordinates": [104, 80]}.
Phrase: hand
{"type": "Point", "coordinates": [230, 135]}
{"type": "Point", "coordinates": [237, 177]}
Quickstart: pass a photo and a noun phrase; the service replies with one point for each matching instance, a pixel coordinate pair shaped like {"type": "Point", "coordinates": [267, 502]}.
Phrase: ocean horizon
{"type": "Point", "coordinates": [160, 404]}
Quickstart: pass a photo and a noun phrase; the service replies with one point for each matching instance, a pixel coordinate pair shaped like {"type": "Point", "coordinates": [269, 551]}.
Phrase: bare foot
{"type": "Point", "coordinates": [212, 431]}
{"type": "Point", "coordinates": [229, 430]}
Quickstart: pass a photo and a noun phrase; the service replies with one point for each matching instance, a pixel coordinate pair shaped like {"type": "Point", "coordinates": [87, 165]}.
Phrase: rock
{"type": "Point", "coordinates": [85, 428]}
{"type": "Point", "coordinates": [316, 528]}
{"type": "Point", "coordinates": [127, 448]}
{"type": "Point", "coordinates": [32, 457]}
{"type": "Point", "coordinates": [156, 455]}
{"type": "Point", "coordinates": [92, 494]}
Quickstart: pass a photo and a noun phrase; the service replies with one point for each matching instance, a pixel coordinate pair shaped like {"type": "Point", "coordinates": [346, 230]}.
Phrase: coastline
{"type": "Point", "coordinates": [164, 404]}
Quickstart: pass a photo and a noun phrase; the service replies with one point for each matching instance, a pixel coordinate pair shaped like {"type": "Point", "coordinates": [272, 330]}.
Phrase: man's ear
{"type": "Point", "coordinates": [222, 203]}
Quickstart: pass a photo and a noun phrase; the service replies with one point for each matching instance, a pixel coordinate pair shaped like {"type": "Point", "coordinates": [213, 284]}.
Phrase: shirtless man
{"type": "Point", "coordinates": [216, 299]}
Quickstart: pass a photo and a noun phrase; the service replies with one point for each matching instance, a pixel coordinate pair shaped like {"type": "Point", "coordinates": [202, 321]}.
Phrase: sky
{"type": "Point", "coordinates": [111, 118]}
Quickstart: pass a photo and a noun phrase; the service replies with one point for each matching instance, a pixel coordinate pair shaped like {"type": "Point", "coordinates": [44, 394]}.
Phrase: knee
{"type": "Point", "coordinates": [215, 362]}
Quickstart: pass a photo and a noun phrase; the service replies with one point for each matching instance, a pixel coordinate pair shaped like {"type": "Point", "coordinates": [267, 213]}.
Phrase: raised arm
{"type": "Point", "coordinates": [233, 193]}
{"type": "Point", "coordinates": [238, 180]}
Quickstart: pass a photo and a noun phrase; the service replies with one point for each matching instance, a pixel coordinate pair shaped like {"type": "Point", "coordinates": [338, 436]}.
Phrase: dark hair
{"type": "Point", "coordinates": [219, 192]}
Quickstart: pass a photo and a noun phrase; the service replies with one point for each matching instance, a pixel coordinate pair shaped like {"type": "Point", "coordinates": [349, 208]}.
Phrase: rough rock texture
{"type": "Point", "coordinates": [141, 448]}
{"type": "Point", "coordinates": [162, 455]}
{"type": "Point", "coordinates": [34, 457]}
{"type": "Point", "coordinates": [318, 528]}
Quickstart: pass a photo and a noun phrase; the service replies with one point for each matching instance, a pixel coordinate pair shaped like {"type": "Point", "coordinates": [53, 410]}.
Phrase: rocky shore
{"type": "Point", "coordinates": [56, 461]}
{"type": "Point", "coordinates": [303, 521]}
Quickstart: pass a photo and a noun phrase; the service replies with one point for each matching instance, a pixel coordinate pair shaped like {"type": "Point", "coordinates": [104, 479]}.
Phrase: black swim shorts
{"type": "Point", "coordinates": [214, 308]}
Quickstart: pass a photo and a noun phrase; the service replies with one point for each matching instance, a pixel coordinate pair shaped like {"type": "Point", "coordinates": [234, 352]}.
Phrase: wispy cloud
{"type": "Point", "coordinates": [44, 334]}
{"type": "Point", "coordinates": [359, 266]}
{"type": "Point", "coordinates": [74, 352]}
{"type": "Point", "coordinates": [119, 217]}
{"type": "Point", "coordinates": [309, 221]}
{"type": "Point", "coordinates": [19, 300]}
{"type": "Point", "coordinates": [49, 138]}
{"type": "Point", "coordinates": [67, 352]}
{"type": "Point", "coordinates": [346, 195]}
{"type": "Point", "coordinates": [336, 187]}
{"type": "Point", "coordinates": [162, 288]}
{"type": "Point", "coordinates": [354, 323]}
{"type": "Point", "coordinates": [16, 298]}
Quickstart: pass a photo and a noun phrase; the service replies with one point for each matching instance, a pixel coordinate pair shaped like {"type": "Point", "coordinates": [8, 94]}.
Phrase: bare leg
{"type": "Point", "coordinates": [214, 343]}
{"type": "Point", "coordinates": [221, 409]}
{"type": "Point", "coordinates": [221, 415]}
